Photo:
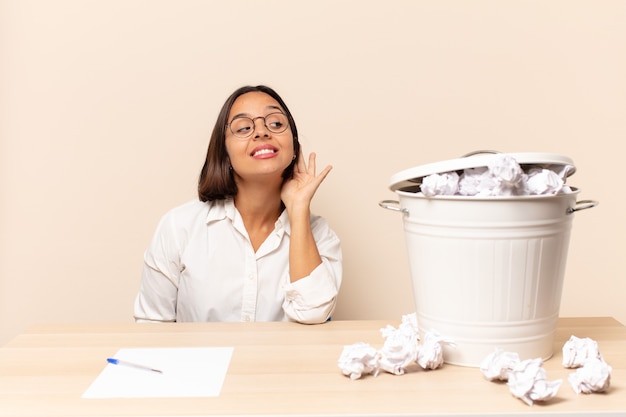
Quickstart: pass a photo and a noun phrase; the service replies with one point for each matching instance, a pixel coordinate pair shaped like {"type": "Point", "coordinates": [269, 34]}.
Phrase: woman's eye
{"type": "Point", "coordinates": [241, 126]}
{"type": "Point", "coordinates": [276, 122]}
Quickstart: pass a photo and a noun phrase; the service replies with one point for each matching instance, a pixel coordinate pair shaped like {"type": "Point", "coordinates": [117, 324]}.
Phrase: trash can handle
{"type": "Point", "coordinates": [478, 152]}
{"type": "Point", "coordinates": [392, 205]}
{"type": "Point", "coordinates": [582, 205]}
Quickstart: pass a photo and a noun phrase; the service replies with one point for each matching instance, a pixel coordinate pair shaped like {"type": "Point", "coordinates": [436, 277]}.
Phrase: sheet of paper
{"type": "Point", "coordinates": [186, 372]}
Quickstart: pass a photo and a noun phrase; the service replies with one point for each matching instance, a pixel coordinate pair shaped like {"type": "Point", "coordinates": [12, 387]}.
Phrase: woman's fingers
{"type": "Point", "coordinates": [301, 166]}
{"type": "Point", "coordinates": [311, 167]}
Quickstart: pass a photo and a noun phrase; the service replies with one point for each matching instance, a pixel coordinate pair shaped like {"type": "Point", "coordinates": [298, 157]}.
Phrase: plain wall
{"type": "Point", "coordinates": [106, 107]}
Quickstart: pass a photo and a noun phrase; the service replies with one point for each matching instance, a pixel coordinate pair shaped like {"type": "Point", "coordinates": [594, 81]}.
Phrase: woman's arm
{"type": "Point", "coordinates": [297, 194]}
{"type": "Point", "coordinates": [313, 298]}
{"type": "Point", "coordinates": [315, 259]}
{"type": "Point", "coordinates": [158, 292]}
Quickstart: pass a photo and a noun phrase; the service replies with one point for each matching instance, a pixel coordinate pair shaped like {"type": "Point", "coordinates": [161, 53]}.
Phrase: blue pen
{"type": "Point", "coordinates": [132, 365]}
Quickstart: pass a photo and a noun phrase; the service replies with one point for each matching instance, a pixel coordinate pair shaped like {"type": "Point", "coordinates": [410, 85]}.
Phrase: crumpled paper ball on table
{"type": "Point", "coordinates": [400, 349]}
{"type": "Point", "coordinates": [593, 374]}
{"type": "Point", "coordinates": [498, 364]}
{"type": "Point", "coordinates": [527, 379]}
{"type": "Point", "coordinates": [577, 351]}
{"type": "Point", "coordinates": [528, 382]}
{"type": "Point", "coordinates": [430, 353]}
{"type": "Point", "coordinates": [358, 359]}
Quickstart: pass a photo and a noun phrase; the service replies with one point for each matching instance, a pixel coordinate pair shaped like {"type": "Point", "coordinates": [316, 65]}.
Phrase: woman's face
{"type": "Point", "coordinates": [264, 152]}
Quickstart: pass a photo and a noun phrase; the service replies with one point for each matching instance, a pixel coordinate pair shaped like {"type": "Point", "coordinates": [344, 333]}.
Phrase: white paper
{"type": "Point", "coordinates": [476, 181]}
{"type": "Point", "coordinates": [186, 372]}
{"type": "Point", "coordinates": [594, 376]}
{"type": "Point", "coordinates": [358, 359]}
{"type": "Point", "coordinates": [430, 354]}
{"type": "Point", "coordinates": [399, 349]}
{"type": "Point", "coordinates": [503, 177]}
{"type": "Point", "coordinates": [544, 181]}
{"type": "Point", "coordinates": [499, 364]}
{"type": "Point", "coordinates": [527, 381]}
{"type": "Point", "coordinates": [440, 184]}
{"type": "Point", "coordinates": [577, 351]}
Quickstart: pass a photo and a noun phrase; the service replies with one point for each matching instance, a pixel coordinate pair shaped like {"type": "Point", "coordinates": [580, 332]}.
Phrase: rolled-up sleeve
{"type": "Point", "coordinates": [313, 299]}
{"type": "Point", "coordinates": [158, 292]}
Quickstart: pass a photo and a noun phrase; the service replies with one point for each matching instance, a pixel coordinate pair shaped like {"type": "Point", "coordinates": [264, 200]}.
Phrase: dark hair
{"type": "Point", "coordinates": [217, 181]}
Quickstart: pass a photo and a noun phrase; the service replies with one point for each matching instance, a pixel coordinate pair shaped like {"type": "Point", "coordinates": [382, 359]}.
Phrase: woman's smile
{"type": "Point", "coordinates": [264, 152]}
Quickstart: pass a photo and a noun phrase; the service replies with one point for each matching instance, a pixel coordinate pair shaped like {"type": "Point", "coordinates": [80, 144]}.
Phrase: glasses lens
{"type": "Point", "coordinates": [242, 127]}
{"type": "Point", "coordinates": [276, 122]}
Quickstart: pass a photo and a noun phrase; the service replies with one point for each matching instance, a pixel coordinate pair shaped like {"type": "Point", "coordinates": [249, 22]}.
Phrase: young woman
{"type": "Point", "coordinates": [249, 248]}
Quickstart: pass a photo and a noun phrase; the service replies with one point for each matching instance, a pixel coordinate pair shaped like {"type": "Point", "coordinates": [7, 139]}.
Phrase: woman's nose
{"type": "Point", "coordinates": [260, 130]}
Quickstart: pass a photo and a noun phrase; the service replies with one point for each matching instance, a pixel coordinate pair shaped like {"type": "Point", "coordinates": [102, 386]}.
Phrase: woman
{"type": "Point", "coordinates": [249, 249]}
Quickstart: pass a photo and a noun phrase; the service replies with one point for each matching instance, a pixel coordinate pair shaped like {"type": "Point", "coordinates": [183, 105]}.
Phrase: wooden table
{"type": "Point", "coordinates": [283, 369]}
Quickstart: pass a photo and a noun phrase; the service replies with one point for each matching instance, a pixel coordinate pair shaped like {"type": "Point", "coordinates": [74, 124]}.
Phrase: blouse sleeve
{"type": "Point", "coordinates": [158, 292]}
{"type": "Point", "coordinates": [312, 299]}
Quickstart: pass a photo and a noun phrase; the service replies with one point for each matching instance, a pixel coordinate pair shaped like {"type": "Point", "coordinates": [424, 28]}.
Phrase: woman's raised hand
{"type": "Point", "coordinates": [298, 191]}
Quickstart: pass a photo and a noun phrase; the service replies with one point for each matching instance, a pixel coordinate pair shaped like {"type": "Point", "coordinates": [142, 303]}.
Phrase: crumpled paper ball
{"type": "Point", "coordinates": [476, 182]}
{"type": "Point", "coordinates": [498, 364]}
{"type": "Point", "coordinates": [430, 353]}
{"type": "Point", "coordinates": [577, 351]}
{"type": "Point", "coordinates": [543, 182]}
{"type": "Point", "coordinates": [409, 324]}
{"type": "Point", "coordinates": [527, 381]}
{"type": "Point", "coordinates": [358, 359]}
{"type": "Point", "coordinates": [508, 176]}
{"type": "Point", "coordinates": [440, 184]}
{"type": "Point", "coordinates": [399, 350]}
{"type": "Point", "coordinates": [593, 376]}
{"type": "Point", "coordinates": [401, 345]}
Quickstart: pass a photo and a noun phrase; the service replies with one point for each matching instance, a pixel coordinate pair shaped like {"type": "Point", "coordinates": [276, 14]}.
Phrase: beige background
{"type": "Point", "coordinates": [106, 108]}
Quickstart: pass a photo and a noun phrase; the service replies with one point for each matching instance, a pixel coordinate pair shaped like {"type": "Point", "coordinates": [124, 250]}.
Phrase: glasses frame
{"type": "Point", "coordinates": [253, 120]}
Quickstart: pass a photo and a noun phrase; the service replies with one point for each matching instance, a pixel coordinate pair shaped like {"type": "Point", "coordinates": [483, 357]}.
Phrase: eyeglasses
{"type": "Point", "coordinates": [243, 127]}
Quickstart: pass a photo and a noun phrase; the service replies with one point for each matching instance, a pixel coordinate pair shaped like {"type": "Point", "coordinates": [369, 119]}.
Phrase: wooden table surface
{"type": "Point", "coordinates": [283, 369]}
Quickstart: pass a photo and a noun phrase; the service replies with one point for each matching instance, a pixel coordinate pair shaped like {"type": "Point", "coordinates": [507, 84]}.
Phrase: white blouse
{"type": "Point", "coordinates": [200, 266]}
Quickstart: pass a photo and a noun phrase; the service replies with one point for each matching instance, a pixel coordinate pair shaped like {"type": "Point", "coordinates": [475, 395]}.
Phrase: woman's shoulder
{"type": "Point", "coordinates": [193, 211]}
{"type": "Point", "coordinates": [189, 207]}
